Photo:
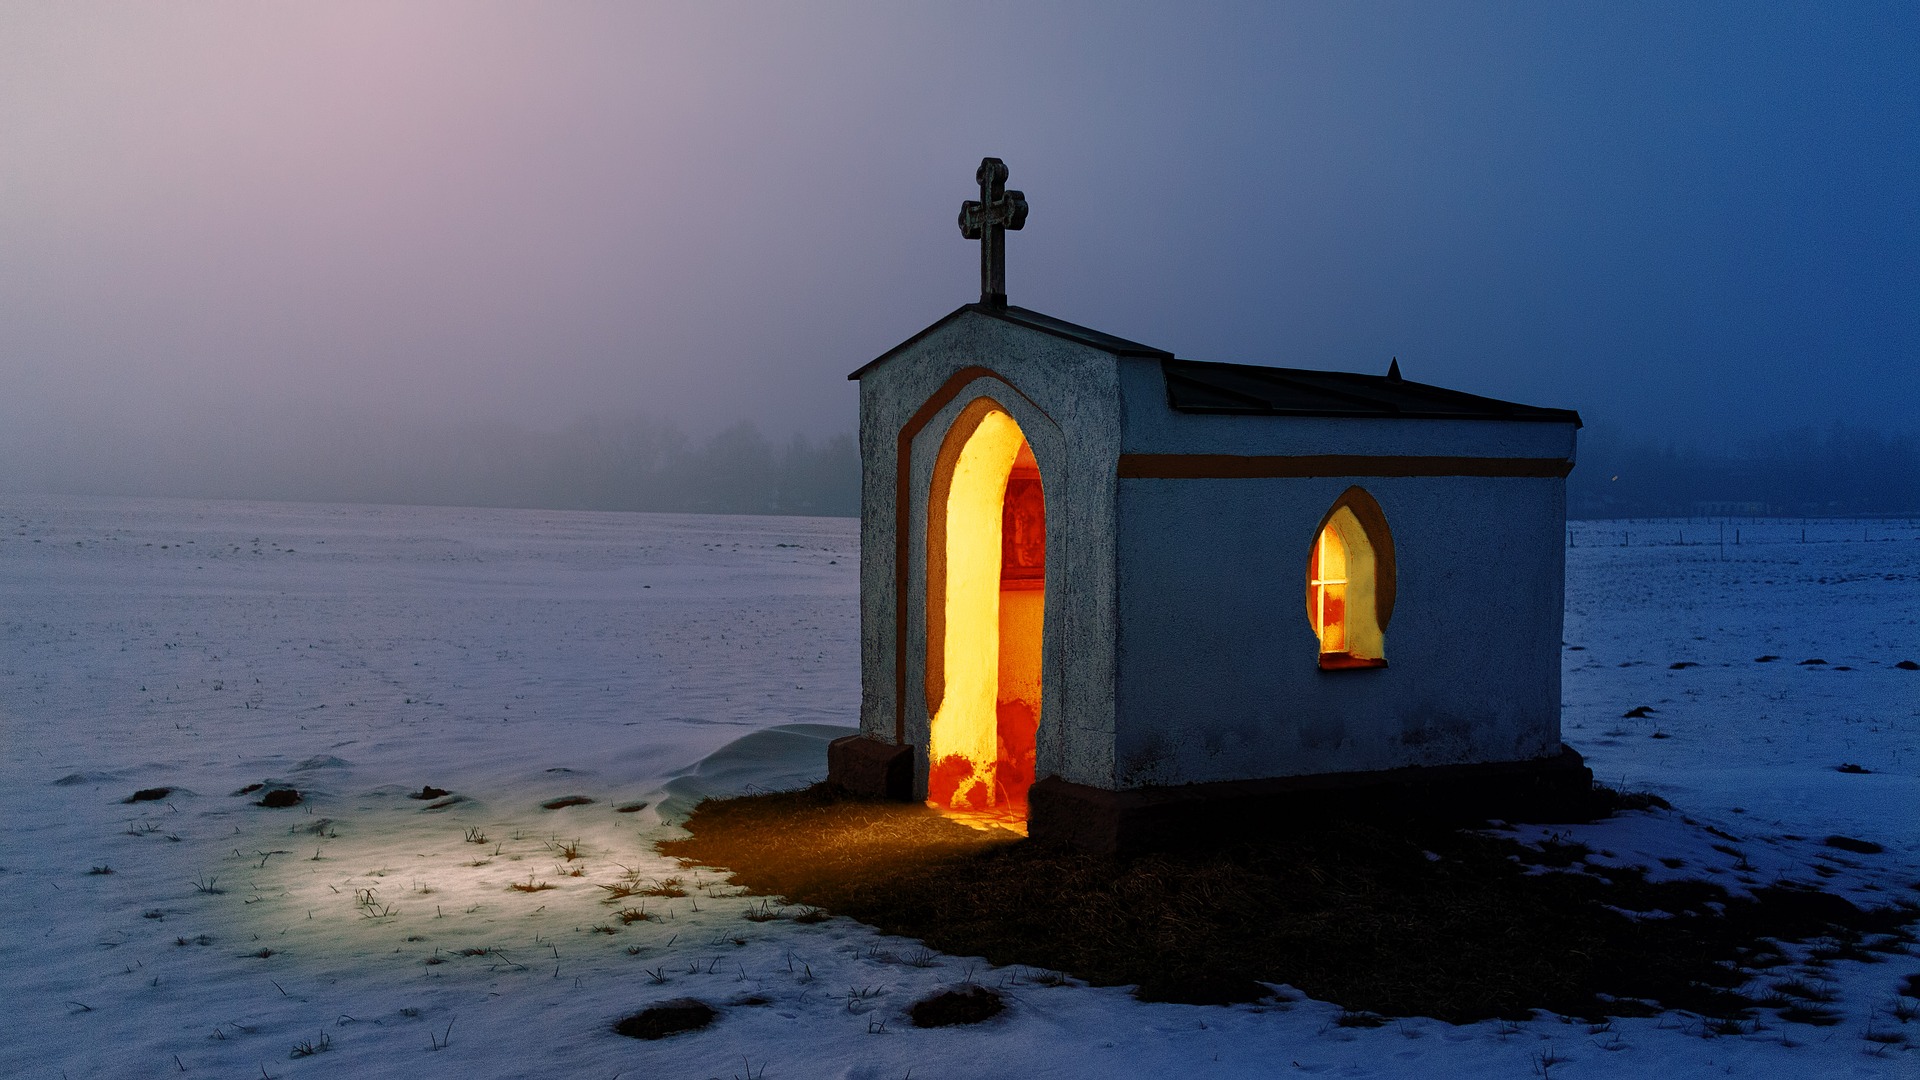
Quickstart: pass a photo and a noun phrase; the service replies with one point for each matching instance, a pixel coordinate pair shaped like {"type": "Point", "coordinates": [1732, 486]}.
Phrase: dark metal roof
{"type": "Point", "coordinates": [1196, 386]}
{"type": "Point", "coordinates": [1032, 320]}
{"type": "Point", "coordinates": [1199, 386]}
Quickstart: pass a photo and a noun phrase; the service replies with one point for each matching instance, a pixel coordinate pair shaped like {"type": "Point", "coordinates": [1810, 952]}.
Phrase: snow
{"type": "Point", "coordinates": [513, 658]}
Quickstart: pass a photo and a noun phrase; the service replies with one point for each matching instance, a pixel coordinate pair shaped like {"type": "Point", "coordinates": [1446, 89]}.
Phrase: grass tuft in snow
{"type": "Point", "coordinates": [763, 912]}
{"type": "Point", "coordinates": [667, 887]}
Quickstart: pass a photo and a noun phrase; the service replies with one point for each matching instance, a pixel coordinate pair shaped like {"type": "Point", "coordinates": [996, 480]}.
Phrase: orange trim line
{"type": "Point", "coordinates": [902, 514]}
{"type": "Point", "coordinates": [1236, 467]}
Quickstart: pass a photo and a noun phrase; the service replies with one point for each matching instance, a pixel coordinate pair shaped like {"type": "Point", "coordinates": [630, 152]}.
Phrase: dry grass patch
{"type": "Point", "coordinates": [1352, 912]}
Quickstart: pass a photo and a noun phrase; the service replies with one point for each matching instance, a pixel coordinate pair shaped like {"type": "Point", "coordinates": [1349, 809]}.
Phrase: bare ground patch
{"type": "Point", "coordinates": [1389, 917]}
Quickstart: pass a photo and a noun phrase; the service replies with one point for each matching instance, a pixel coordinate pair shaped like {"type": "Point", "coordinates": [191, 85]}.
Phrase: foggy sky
{"type": "Point", "coordinates": [1691, 218]}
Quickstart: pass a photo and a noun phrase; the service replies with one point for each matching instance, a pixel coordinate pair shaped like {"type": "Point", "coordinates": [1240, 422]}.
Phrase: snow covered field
{"type": "Point", "coordinates": [514, 658]}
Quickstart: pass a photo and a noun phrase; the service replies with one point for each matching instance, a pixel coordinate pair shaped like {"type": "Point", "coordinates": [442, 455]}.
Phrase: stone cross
{"type": "Point", "coordinates": [988, 221]}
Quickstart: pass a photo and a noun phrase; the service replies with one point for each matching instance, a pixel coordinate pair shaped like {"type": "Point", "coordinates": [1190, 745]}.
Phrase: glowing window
{"type": "Point", "coordinates": [1329, 584]}
{"type": "Point", "coordinates": [1350, 583]}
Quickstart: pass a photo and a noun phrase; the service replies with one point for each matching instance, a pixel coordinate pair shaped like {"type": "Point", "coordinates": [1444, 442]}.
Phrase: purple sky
{"type": "Point", "coordinates": [1672, 217]}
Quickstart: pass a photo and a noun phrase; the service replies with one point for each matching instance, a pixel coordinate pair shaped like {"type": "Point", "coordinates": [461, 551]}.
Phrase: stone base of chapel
{"type": "Point", "coordinates": [1555, 788]}
{"type": "Point", "coordinates": [871, 769]}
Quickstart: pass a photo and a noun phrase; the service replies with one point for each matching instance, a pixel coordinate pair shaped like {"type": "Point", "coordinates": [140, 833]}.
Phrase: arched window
{"type": "Point", "coordinates": [1350, 583]}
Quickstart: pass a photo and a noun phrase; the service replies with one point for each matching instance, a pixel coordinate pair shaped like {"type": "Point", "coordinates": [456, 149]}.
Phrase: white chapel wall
{"type": "Point", "coordinates": [1218, 676]}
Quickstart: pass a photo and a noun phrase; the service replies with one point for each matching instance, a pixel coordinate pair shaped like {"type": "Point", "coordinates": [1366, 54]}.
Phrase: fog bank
{"type": "Point", "coordinates": [607, 462]}
{"type": "Point", "coordinates": [1837, 471]}
{"type": "Point", "coordinates": [641, 462]}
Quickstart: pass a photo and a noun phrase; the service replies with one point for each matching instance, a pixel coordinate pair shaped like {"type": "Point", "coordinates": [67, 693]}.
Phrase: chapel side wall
{"type": "Point", "coordinates": [1218, 673]}
{"type": "Point", "coordinates": [1067, 405]}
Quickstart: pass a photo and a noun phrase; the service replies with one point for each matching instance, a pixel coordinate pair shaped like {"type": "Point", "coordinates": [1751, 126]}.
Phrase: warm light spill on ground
{"type": "Point", "coordinates": [1008, 816]}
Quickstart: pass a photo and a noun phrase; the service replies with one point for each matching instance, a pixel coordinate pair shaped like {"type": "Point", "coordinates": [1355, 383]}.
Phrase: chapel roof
{"type": "Point", "coordinates": [1032, 320]}
{"type": "Point", "coordinates": [1203, 386]}
{"type": "Point", "coordinates": [1198, 386]}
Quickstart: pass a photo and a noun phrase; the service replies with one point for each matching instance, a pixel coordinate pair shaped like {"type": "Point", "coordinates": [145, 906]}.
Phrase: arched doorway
{"type": "Point", "coordinates": [986, 602]}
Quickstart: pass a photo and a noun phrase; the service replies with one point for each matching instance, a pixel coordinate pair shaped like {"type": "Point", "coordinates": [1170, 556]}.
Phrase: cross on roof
{"type": "Point", "coordinates": [987, 220]}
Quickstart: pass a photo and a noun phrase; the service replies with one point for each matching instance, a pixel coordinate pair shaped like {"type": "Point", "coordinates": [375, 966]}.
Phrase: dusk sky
{"type": "Point", "coordinates": [1698, 219]}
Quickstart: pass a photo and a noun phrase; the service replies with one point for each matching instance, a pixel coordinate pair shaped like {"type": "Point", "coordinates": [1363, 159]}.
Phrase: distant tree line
{"type": "Point", "coordinates": [647, 463]}
{"type": "Point", "coordinates": [636, 464]}
{"type": "Point", "coordinates": [1839, 471]}
{"type": "Point", "coordinates": [597, 463]}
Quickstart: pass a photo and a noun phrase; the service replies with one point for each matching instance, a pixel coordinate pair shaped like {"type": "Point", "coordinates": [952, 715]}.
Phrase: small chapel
{"type": "Point", "coordinates": [1110, 596]}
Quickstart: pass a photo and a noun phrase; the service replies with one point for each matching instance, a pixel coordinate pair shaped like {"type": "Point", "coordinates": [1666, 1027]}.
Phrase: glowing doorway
{"type": "Point", "coordinates": [986, 598]}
